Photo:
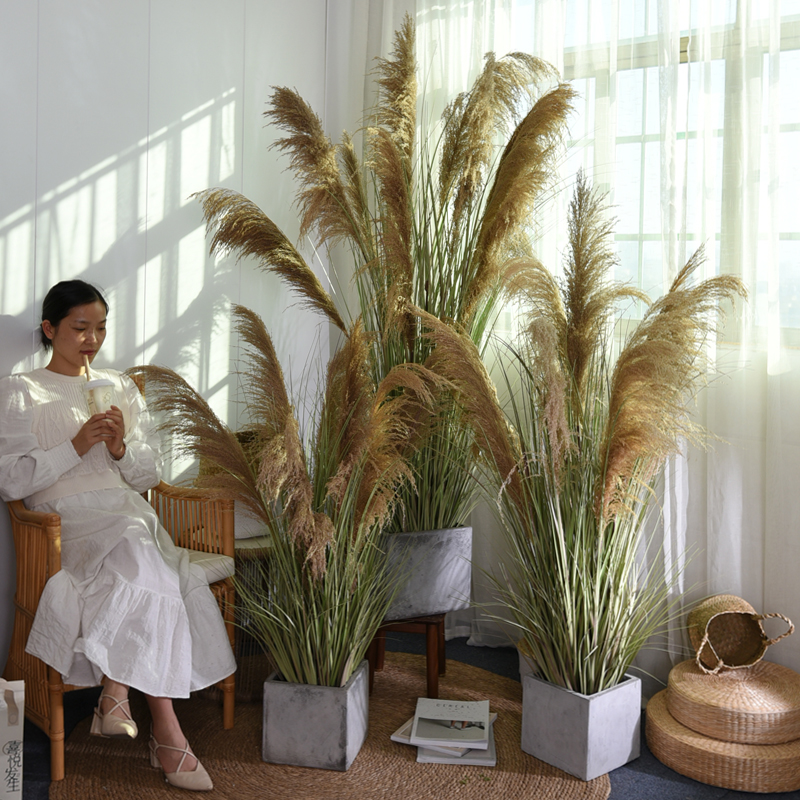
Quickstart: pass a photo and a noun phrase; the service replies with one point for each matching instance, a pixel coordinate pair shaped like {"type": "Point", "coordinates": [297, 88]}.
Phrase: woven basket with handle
{"type": "Point", "coordinates": [726, 633]}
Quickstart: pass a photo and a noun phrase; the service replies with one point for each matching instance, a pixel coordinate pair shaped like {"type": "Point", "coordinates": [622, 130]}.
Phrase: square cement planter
{"type": "Point", "coordinates": [315, 726]}
{"type": "Point", "coordinates": [437, 572]}
{"type": "Point", "coordinates": [526, 663]}
{"type": "Point", "coordinates": [585, 735]}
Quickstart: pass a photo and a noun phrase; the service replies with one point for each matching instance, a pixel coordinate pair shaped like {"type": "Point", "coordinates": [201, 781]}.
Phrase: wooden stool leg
{"type": "Point", "coordinates": [56, 728]}
{"type": "Point", "coordinates": [380, 653]}
{"type": "Point", "coordinates": [372, 655]}
{"type": "Point", "coordinates": [432, 658]}
{"type": "Point", "coordinates": [228, 686]}
{"type": "Point", "coordinates": [442, 658]}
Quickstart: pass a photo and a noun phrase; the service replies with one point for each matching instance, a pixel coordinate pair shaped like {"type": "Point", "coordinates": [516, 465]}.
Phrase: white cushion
{"type": "Point", "coordinates": [245, 525]}
{"type": "Point", "coordinates": [216, 567]}
{"type": "Point", "coordinates": [245, 547]}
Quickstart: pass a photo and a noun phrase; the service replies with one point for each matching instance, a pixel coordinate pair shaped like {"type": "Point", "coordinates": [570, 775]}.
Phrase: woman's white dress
{"type": "Point", "coordinates": [126, 604]}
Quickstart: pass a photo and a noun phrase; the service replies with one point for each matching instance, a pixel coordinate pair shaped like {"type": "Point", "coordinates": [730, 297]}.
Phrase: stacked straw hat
{"type": "Point", "coordinates": [728, 718]}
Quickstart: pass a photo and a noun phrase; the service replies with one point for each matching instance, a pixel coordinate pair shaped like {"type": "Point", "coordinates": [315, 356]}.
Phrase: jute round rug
{"type": "Point", "coordinates": [114, 769]}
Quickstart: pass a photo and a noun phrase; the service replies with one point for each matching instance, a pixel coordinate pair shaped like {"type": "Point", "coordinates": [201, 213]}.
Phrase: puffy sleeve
{"type": "Point", "coordinates": [25, 467]}
{"type": "Point", "coordinates": [141, 464]}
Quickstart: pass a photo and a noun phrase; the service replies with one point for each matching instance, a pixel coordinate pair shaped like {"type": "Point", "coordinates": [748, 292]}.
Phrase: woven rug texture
{"type": "Point", "coordinates": [120, 770]}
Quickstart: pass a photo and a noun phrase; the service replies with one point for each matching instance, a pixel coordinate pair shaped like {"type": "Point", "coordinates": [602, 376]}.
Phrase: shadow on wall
{"type": "Point", "coordinates": [17, 338]}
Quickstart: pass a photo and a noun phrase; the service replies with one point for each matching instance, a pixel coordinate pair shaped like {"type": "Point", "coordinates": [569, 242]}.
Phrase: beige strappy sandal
{"type": "Point", "coordinates": [109, 725]}
{"type": "Point", "coordinates": [196, 780]}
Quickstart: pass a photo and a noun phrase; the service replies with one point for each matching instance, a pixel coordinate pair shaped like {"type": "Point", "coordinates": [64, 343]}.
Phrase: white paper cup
{"type": "Point", "coordinates": [100, 395]}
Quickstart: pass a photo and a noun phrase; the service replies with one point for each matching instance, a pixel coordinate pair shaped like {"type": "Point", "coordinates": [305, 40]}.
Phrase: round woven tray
{"type": "Point", "coordinates": [759, 705]}
{"type": "Point", "coordinates": [729, 765]}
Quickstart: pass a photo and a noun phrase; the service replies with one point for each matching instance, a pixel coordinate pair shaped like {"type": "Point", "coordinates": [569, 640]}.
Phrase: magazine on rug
{"type": "Point", "coordinates": [451, 723]}
{"type": "Point", "coordinates": [403, 736]}
{"type": "Point", "coordinates": [473, 757]}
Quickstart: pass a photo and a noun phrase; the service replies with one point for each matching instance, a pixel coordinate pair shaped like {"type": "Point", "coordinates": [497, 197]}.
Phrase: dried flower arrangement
{"type": "Point", "coordinates": [574, 456]}
{"type": "Point", "coordinates": [430, 220]}
{"type": "Point", "coordinates": [324, 497]}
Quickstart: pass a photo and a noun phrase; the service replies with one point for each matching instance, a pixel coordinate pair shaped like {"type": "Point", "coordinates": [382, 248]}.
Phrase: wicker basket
{"type": "Point", "coordinates": [741, 767]}
{"type": "Point", "coordinates": [759, 705]}
{"type": "Point", "coordinates": [726, 633]}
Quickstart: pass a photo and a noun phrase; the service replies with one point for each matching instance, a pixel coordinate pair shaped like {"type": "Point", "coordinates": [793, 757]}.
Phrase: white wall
{"type": "Point", "coordinates": [112, 115]}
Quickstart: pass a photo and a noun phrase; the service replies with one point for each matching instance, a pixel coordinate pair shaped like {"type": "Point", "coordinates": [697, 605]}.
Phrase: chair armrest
{"type": "Point", "coordinates": [197, 519]}
{"type": "Point", "coordinates": [37, 543]}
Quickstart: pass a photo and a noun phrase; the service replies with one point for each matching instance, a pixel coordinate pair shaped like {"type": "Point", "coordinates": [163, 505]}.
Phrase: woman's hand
{"type": "Point", "coordinates": [108, 428]}
{"type": "Point", "coordinates": [116, 445]}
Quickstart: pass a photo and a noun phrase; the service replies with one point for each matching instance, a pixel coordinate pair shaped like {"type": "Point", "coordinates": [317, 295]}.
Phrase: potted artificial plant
{"type": "Point", "coordinates": [324, 496]}
{"type": "Point", "coordinates": [431, 223]}
{"type": "Point", "coordinates": [572, 462]}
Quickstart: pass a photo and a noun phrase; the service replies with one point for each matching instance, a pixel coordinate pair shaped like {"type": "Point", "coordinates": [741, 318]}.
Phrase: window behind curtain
{"type": "Point", "coordinates": [697, 145]}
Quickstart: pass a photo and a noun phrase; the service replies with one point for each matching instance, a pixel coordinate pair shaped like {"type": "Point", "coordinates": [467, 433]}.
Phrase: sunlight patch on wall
{"type": "Point", "coordinates": [16, 258]}
{"type": "Point", "coordinates": [67, 233]}
{"type": "Point", "coordinates": [227, 151]}
{"type": "Point", "coordinates": [189, 275]}
{"type": "Point", "coordinates": [115, 337]}
{"type": "Point", "coordinates": [128, 224]}
{"type": "Point", "coordinates": [195, 155]}
{"type": "Point", "coordinates": [219, 361]}
{"type": "Point", "coordinates": [105, 214]}
{"type": "Point", "coordinates": [149, 287]}
{"type": "Point", "coordinates": [153, 185]}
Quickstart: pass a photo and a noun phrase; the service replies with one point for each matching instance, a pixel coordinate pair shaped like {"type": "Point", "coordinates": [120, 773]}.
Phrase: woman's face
{"type": "Point", "coordinates": [80, 333]}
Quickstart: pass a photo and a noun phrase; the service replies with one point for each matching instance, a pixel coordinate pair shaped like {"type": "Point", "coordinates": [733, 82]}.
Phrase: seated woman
{"type": "Point", "coordinates": [126, 604]}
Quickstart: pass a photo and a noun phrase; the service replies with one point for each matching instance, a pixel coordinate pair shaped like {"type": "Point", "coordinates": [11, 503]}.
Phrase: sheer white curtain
{"type": "Point", "coordinates": [689, 117]}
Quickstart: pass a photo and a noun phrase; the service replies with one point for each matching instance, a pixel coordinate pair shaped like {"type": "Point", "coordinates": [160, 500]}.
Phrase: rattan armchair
{"type": "Point", "coordinates": [194, 519]}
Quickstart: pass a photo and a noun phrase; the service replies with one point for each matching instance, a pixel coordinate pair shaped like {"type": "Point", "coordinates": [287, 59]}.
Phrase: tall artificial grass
{"type": "Point", "coordinates": [324, 497]}
{"type": "Point", "coordinates": [573, 457]}
{"type": "Point", "coordinates": [430, 223]}
{"type": "Point", "coordinates": [318, 631]}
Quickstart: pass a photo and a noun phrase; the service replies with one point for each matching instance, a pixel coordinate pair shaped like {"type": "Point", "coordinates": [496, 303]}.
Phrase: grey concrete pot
{"type": "Point", "coordinates": [584, 735]}
{"type": "Point", "coordinates": [437, 566]}
{"type": "Point", "coordinates": [526, 665]}
{"type": "Point", "coordinates": [315, 726]}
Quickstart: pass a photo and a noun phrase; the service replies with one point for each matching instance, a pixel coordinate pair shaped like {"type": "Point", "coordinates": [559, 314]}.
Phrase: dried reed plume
{"type": "Point", "coordinates": [283, 476]}
{"type": "Point", "coordinates": [198, 432]}
{"type": "Point", "coordinates": [324, 200]}
{"type": "Point", "coordinates": [534, 290]}
{"type": "Point", "coordinates": [659, 371]}
{"type": "Point", "coordinates": [590, 299]}
{"type": "Point", "coordinates": [524, 171]}
{"type": "Point", "coordinates": [397, 261]}
{"type": "Point", "coordinates": [397, 104]}
{"type": "Point", "coordinates": [241, 226]}
{"type": "Point", "coordinates": [472, 122]}
{"type": "Point", "coordinates": [370, 427]}
{"type": "Point", "coordinates": [554, 388]}
{"type": "Point", "coordinates": [456, 358]}
{"type": "Point", "coordinates": [346, 409]}
{"type": "Point", "coordinates": [573, 317]}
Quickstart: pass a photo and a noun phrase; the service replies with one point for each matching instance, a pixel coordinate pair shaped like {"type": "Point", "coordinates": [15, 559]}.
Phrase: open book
{"type": "Point", "coordinates": [451, 723]}
{"type": "Point", "coordinates": [482, 758]}
{"type": "Point", "coordinates": [403, 736]}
